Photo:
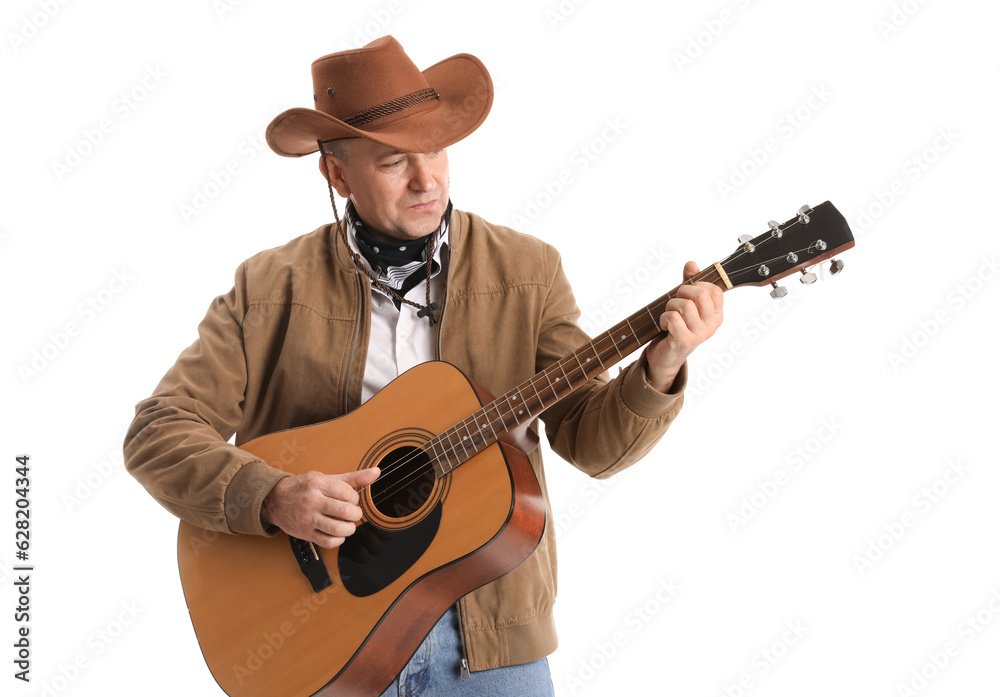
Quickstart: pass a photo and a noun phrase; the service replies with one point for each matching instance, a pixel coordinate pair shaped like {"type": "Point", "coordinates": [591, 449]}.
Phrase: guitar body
{"type": "Point", "coordinates": [426, 541]}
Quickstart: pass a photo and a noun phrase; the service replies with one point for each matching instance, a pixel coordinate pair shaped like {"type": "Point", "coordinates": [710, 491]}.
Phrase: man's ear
{"type": "Point", "coordinates": [330, 168]}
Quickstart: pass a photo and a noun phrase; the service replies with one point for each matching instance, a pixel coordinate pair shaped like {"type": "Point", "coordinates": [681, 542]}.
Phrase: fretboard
{"type": "Point", "coordinates": [559, 380]}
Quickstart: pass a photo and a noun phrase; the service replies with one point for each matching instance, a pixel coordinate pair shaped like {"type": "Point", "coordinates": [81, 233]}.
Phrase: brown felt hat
{"type": "Point", "coordinates": [376, 92]}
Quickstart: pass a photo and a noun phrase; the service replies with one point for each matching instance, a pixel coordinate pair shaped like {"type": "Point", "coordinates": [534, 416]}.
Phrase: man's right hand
{"type": "Point", "coordinates": [316, 507]}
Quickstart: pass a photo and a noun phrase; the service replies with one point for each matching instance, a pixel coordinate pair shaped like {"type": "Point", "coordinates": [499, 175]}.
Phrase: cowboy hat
{"type": "Point", "coordinates": [376, 92]}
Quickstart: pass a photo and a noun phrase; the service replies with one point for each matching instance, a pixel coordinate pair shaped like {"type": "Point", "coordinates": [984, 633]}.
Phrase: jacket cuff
{"type": "Point", "coordinates": [646, 401]}
{"type": "Point", "coordinates": [246, 493]}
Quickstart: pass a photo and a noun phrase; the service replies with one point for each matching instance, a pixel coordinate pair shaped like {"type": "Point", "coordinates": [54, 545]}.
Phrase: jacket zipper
{"type": "Point", "coordinates": [441, 327]}
{"type": "Point", "coordinates": [354, 341]}
{"type": "Point", "coordinates": [463, 665]}
{"type": "Point", "coordinates": [444, 305]}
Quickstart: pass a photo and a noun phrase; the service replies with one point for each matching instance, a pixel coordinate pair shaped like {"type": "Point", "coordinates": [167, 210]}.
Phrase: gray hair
{"type": "Point", "coordinates": [337, 148]}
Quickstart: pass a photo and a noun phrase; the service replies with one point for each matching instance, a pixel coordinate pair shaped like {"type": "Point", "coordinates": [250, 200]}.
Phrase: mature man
{"type": "Point", "coordinates": [313, 329]}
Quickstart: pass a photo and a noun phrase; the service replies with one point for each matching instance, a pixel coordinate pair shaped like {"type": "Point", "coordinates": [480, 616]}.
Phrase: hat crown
{"type": "Point", "coordinates": [350, 82]}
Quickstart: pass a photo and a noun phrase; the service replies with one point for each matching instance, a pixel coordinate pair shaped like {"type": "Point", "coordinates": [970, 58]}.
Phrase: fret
{"type": "Point", "coordinates": [597, 355]}
{"type": "Point", "coordinates": [470, 436]}
{"type": "Point", "coordinates": [583, 367]}
{"type": "Point", "coordinates": [503, 423]}
{"type": "Point", "coordinates": [631, 331]}
{"type": "Point", "coordinates": [478, 437]}
{"type": "Point", "coordinates": [555, 394]}
{"type": "Point", "coordinates": [429, 448]}
{"type": "Point", "coordinates": [461, 442]}
{"type": "Point", "coordinates": [564, 363]}
{"type": "Point", "coordinates": [445, 459]}
{"type": "Point", "coordinates": [489, 423]}
{"type": "Point", "coordinates": [614, 344]}
{"type": "Point", "coordinates": [511, 409]}
{"type": "Point", "coordinates": [512, 422]}
{"type": "Point", "coordinates": [541, 402]}
{"type": "Point", "coordinates": [565, 376]}
{"type": "Point", "coordinates": [656, 322]}
{"type": "Point", "coordinates": [441, 455]}
{"type": "Point", "coordinates": [608, 355]}
{"type": "Point", "coordinates": [652, 323]}
{"type": "Point", "coordinates": [454, 441]}
{"type": "Point", "coordinates": [624, 338]}
{"type": "Point", "coordinates": [582, 371]}
{"type": "Point", "coordinates": [634, 334]}
{"type": "Point", "coordinates": [525, 403]}
{"type": "Point", "coordinates": [446, 464]}
{"type": "Point", "coordinates": [613, 337]}
{"type": "Point", "coordinates": [520, 411]}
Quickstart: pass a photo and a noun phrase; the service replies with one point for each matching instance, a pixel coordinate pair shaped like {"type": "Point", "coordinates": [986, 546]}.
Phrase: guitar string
{"type": "Point", "coordinates": [767, 261]}
{"type": "Point", "coordinates": [745, 250]}
{"type": "Point", "coordinates": [453, 451]}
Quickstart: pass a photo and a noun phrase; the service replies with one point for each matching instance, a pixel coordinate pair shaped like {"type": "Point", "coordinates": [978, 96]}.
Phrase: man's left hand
{"type": "Point", "coordinates": [689, 319]}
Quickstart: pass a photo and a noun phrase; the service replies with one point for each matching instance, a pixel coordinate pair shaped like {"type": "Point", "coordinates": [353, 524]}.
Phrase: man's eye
{"type": "Point", "coordinates": [394, 163]}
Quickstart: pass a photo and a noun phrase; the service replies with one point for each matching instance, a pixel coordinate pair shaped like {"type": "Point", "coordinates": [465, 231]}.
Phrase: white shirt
{"type": "Point", "coordinates": [399, 339]}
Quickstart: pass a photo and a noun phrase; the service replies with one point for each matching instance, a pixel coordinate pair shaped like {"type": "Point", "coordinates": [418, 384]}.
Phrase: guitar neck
{"type": "Point", "coordinates": [559, 380]}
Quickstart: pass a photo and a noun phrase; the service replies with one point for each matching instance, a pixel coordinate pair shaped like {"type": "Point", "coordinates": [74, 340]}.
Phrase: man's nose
{"type": "Point", "coordinates": [422, 176]}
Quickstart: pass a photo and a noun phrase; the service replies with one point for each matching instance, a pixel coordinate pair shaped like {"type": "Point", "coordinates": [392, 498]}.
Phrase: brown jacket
{"type": "Point", "coordinates": [286, 347]}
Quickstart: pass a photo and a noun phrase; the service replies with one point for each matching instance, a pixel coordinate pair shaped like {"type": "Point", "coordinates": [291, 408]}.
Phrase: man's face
{"type": "Point", "coordinates": [398, 195]}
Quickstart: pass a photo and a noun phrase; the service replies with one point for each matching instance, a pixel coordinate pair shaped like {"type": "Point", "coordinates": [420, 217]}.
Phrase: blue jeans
{"type": "Point", "coordinates": [434, 671]}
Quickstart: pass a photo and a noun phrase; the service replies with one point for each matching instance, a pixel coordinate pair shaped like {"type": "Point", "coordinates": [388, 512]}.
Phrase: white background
{"type": "Point", "coordinates": [884, 376]}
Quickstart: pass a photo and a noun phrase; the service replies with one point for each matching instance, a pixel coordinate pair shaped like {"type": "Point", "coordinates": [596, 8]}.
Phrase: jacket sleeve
{"type": "Point", "coordinates": [608, 424]}
{"type": "Point", "coordinates": [177, 446]}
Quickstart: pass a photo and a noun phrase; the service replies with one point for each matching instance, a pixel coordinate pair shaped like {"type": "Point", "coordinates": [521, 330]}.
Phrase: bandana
{"type": "Point", "coordinates": [399, 265]}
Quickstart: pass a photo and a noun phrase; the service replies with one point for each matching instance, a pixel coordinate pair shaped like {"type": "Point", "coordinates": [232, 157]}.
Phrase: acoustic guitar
{"type": "Point", "coordinates": [456, 505]}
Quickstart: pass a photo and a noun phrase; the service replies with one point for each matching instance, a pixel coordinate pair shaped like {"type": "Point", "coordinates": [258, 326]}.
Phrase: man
{"type": "Point", "coordinates": [313, 329]}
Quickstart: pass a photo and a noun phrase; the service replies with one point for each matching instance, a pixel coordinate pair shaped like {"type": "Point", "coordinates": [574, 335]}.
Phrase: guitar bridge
{"type": "Point", "coordinates": [311, 564]}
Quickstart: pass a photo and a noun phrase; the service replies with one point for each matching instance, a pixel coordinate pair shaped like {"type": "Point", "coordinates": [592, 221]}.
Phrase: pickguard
{"type": "Point", "coordinates": [372, 558]}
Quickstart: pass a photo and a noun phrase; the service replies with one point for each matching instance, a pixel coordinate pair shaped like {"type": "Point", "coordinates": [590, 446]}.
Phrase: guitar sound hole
{"type": "Point", "coordinates": [405, 484]}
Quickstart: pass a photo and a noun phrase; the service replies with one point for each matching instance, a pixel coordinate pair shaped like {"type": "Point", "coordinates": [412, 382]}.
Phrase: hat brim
{"type": "Point", "coordinates": [465, 97]}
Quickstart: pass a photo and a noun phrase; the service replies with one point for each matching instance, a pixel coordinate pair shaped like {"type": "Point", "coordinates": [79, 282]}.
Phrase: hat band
{"type": "Point", "coordinates": [395, 106]}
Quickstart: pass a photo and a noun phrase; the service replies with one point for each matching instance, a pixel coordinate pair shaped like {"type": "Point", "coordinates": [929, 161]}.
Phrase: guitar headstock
{"type": "Point", "coordinates": [813, 235]}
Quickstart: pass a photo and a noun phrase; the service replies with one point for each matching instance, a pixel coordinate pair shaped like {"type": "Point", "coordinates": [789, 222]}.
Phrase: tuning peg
{"type": "Point", "coordinates": [745, 241]}
{"type": "Point", "coordinates": [775, 228]}
{"type": "Point", "coordinates": [779, 291]}
{"type": "Point", "coordinates": [807, 277]}
{"type": "Point", "coordinates": [803, 218]}
{"type": "Point", "coordinates": [836, 266]}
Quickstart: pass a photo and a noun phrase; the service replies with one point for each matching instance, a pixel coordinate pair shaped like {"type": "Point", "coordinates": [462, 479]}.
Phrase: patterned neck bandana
{"type": "Point", "coordinates": [399, 265]}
